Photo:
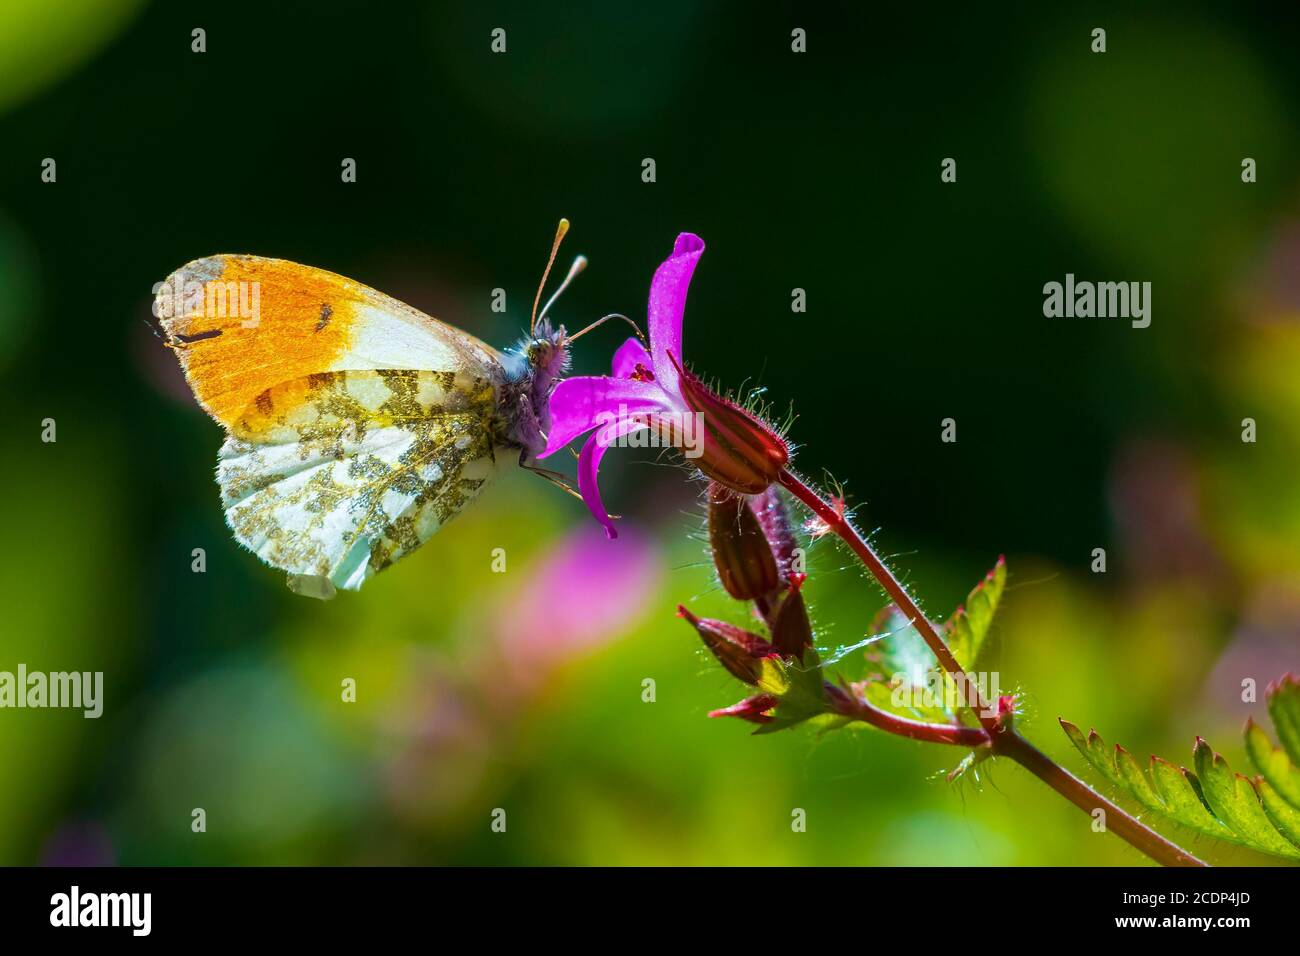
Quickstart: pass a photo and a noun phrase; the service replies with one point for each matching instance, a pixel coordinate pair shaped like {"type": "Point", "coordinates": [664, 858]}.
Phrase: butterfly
{"type": "Point", "coordinates": [356, 426]}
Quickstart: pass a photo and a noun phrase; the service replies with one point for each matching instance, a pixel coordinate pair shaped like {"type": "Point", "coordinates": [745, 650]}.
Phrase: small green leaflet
{"type": "Point", "coordinates": [1283, 697]}
{"type": "Point", "coordinates": [967, 629]}
{"type": "Point", "coordinates": [1279, 767]}
{"type": "Point", "coordinates": [902, 666]}
{"type": "Point", "coordinates": [800, 688]}
{"type": "Point", "coordinates": [1259, 813]}
{"type": "Point", "coordinates": [1273, 763]}
{"type": "Point", "coordinates": [902, 653]}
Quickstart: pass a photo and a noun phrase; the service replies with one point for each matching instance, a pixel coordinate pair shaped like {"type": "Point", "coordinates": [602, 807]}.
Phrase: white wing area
{"type": "Point", "coordinates": [340, 495]}
{"type": "Point", "coordinates": [344, 519]}
{"type": "Point", "coordinates": [390, 334]}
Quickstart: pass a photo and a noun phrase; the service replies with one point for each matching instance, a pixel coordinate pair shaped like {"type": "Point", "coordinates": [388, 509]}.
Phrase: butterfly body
{"type": "Point", "coordinates": [356, 425]}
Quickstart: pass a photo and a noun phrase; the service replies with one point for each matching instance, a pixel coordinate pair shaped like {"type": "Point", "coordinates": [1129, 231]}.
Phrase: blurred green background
{"type": "Point", "coordinates": [523, 690]}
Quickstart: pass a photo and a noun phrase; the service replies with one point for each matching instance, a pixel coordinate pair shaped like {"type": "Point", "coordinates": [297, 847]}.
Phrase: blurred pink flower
{"type": "Point", "coordinates": [582, 593]}
{"type": "Point", "coordinates": [578, 595]}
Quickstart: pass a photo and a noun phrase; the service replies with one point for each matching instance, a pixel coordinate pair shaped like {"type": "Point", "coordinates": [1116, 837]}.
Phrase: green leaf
{"type": "Point", "coordinates": [1131, 773]}
{"type": "Point", "coordinates": [1273, 763]}
{"type": "Point", "coordinates": [1284, 815]}
{"type": "Point", "coordinates": [1234, 801]}
{"type": "Point", "coordinates": [899, 648]}
{"type": "Point", "coordinates": [1284, 707]}
{"type": "Point", "coordinates": [801, 689]}
{"type": "Point", "coordinates": [906, 677]}
{"type": "Point", "coordinates": [967, 629]}
{"type": "Point", "coordinates": [1180, 793]}
{"type": "Point", "coordinates": [1094, 750]}
{"type": "Point", "coordinates": [1214, 800]}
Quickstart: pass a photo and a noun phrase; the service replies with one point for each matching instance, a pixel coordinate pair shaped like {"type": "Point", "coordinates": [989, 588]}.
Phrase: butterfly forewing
{"type": "Point", "coordinates": [243, 324]}
{"type": "Point", "coordinates": [357, 425]}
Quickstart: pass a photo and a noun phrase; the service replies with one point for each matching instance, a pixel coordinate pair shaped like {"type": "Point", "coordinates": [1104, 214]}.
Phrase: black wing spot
{"type": "Point", "coordinates": [325, 313]}
{"type": "Point", "coordinates": [198, 336]}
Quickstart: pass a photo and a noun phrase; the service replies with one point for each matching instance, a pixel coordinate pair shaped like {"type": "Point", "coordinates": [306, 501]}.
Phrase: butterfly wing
{"type": "Point", "coordinates": [357, 426]}
{"type": "Point", "coordinates": [241, 325]}
{"type": "Point", "coordinates": [361, 473]}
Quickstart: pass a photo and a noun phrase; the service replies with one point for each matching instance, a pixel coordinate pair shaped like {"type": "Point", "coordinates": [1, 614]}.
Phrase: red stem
{"type": "Point", "coordinates": [835, 520]}
{"type": "Point", "coordinates": [1001, 735]}
{"type": "Point", "coordinates": [859, 709]}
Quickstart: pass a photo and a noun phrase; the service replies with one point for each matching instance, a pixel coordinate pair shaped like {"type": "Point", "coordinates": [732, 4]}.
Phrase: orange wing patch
{"type": "Point", "coordinates": [242, 325]}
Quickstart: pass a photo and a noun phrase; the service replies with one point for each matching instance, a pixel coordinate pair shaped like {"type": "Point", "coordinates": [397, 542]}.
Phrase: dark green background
{"type": "Point", "coordinates": [818, 171]}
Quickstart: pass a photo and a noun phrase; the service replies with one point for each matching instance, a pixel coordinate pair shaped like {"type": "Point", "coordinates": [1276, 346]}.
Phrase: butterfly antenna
{"type": "Point", "coordinates": [579, 263]}
{"type": "Point", "coordinates": [560, 230]}
{"type": "Point", "coordinates": [605, 318]}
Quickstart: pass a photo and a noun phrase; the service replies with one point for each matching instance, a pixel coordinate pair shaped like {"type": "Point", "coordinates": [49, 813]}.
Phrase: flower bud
{"type": "Point", "coordinates": [754, 709]}
{"type": "Point", "coordinates": [744, 559]}
{"type": "Point", "coordinates": [791, 629]}
{"type": "Point", "coordinates": [739, 451]}
{"type": "Point", "coordinates": [773, 518]}
{"type": "Point", "coordinates": [738, 650]}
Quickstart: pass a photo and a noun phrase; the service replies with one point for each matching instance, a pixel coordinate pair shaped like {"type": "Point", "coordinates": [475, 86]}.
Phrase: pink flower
{"type": "Point", "coordinates": [652, 390]}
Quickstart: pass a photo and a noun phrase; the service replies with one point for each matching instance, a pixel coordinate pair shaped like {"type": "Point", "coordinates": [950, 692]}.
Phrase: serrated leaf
{"type": "Point", "coordinates": [968, 628]}
{"type": "Point", "coordinates": [1181, 793]}
{"type": "Point", "coordinates": [1214, 800]}
{"type": "Point", "coordinates": [1273, 764]}
{"type": "Point", "coordinates": [1234, 801]}
{"type": "Point", "coordinates": [1284, 708]}
{"type": "Point", "coordinates": [1130, 772]}
{"type": "Point", "coordinates": [1094, 751]}
{"type": "Point", "coordinates": [1283, 815]}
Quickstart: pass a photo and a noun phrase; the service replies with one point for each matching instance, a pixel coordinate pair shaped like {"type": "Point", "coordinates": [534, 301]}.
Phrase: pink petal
{"type": "Point", "coordinates": [667, 303]}
{"type": "Point", "coordinates": [581, 403]}
{"type": "Point", "coordinates": [589, 468]}
{"type": "Point", "coordinates": [629, 355]}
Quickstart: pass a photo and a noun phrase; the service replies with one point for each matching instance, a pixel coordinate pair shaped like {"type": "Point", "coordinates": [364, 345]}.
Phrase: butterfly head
{"type": "Point", "coordinates": [546, 352]}
{"type": "Point", "coordinates": [545, 359]}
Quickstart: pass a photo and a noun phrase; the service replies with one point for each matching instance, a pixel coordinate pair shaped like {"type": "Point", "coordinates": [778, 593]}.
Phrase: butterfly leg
{"type": "Point", "coordinates": [554, 477]}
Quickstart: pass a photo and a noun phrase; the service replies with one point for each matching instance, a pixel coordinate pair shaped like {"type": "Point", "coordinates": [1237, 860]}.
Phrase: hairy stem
{"type": "Point", "coordinates": [997, 733]}
{"type": "Point", "coordinates": [834, 519]}
{"type": "Point", "coordinates": [957, 734]}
